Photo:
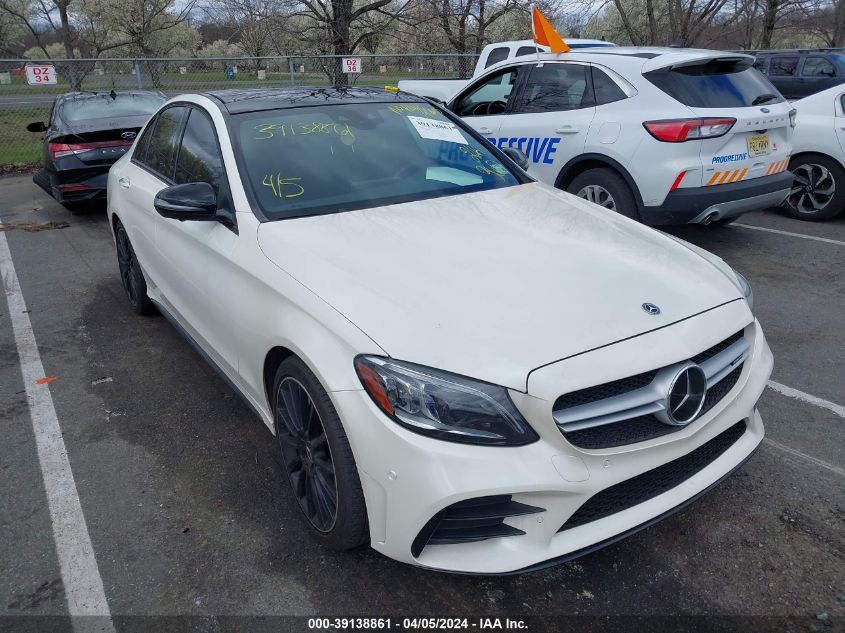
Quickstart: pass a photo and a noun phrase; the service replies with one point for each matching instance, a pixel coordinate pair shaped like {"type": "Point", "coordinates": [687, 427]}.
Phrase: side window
{"type": "Point", "coordinates": [497, 55]}
{"type": "Point", "coordinates": [605, 88]}
{"type": "Point", "coordinates": [817, 67]}
{"type": "Point", "coordinates": [555, 87]}
{"type": "Point", "coordinates": [491, 97]}
{"type": "Point", "coordinates": [199, 158]}
{"type": "Point", "coordinates": [526, 50]}
{"type": "Point", "coordinates": [760, 64]}
{"type": "Point", "coordinates": [783, 66]}
{"type": "Point", "coordinates": [140, 153]}
{"type": "Point", "coordinates": [160, 150]}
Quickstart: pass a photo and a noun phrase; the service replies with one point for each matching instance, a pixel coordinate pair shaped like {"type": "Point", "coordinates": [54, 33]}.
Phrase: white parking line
{"type": "Point", "coordinates": [80, 576]}
{"type": "Point", "coordinates": [796, 453]}
{"type": "Point", "coordinates": [791, 234]}
{"type": "Point", "coordinates": [838, 409]}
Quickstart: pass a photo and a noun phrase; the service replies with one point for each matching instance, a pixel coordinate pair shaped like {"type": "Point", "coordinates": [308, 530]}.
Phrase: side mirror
{"type": "Point", "coordinates": [517, 156]}
{"type": "Point", "coordinates": [191, 201]}
{"type": "Point", "coordinates": [38, 126]}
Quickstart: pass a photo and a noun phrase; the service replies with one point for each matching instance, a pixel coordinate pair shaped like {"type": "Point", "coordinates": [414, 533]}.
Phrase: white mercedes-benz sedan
{"type": "Point", "coordinates": [466, 369]}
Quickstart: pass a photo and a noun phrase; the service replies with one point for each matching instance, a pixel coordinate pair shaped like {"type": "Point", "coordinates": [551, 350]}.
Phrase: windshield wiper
{"type": "Point", "coordinates": [765, 98]}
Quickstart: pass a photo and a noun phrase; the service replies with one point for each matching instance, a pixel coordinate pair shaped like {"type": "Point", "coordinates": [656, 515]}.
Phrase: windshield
{"type": "Point", "coordinates": [326, 159]}
{"type": "Point", "coordinates": [716, 84]}
{"type": "Point", "coordinates": [103, 106]}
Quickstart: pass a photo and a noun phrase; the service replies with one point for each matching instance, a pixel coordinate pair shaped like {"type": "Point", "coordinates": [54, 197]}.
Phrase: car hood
{"type": "Point", "coordinates": [497, 283]}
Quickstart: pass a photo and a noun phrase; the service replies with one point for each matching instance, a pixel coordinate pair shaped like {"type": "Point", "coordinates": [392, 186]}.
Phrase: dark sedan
{"type": "Point", "coordinates": [87, 132]}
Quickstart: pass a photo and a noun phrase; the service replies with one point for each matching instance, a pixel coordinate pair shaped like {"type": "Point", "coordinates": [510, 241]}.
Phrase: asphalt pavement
{"type": "Point", "coordinates": [188, 511]}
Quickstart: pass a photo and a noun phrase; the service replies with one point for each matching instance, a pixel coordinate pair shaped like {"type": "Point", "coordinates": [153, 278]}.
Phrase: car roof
{"type": "Point", "coordinates": [577, 42]}
{"type": "Point", "coordinates": [91, 94]}
{"type": "Point", "coordinates": [799, 51]}
{"type": "Point", "coordinates": [643, 58]}
{"type": "Point", "coordinates": [257, 99]}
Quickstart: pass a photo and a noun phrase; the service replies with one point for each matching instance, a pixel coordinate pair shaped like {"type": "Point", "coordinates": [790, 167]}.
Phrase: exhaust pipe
{"type": "Point", "coordinates": [713, 216]}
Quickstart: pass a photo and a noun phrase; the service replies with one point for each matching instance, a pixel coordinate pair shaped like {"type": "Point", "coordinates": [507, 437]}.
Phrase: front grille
{"type": "Point", "coordinates": [643, 425]}
{"type": "Point", "coordinates": [606, 390]}
{"type": "Point", "coordinates": [648, 485]}
{"type": "Point", "coordinates": [476, 519]}
{"type": "Point", "coordinates": [718, 347]}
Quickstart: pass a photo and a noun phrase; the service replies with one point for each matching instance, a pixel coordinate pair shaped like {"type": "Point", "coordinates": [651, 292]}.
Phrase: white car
{"type": "Point", "coordinates": [444, 89]}
{"type": "Point", "coordinates": [466, 369]}
{"type": "Point", "coordinates": [663, 135]}
{"type": "Point", "coordinates": [818, 159]}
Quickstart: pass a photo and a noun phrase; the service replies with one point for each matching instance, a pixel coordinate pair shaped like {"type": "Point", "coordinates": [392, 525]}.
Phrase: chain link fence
{"type": "Point", "coordinates": [21, 103]}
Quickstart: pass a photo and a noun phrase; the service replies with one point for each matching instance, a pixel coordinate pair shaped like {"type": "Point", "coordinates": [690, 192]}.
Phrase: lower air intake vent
{"type": "Point", "coordinates": [650, 484]}
{"type": "Point", "coordinates": [472, 520]}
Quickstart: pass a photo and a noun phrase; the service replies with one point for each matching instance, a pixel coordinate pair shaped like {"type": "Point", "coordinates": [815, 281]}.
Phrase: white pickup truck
{"type": "Point", "coordinates": [444, 89]}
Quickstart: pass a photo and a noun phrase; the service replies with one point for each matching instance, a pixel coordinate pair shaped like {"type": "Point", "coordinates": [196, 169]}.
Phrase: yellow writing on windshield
{"type": "Point", "coordinates": [486, 167]}
{"type": "Point", "coordinates": [304, 128]}
{"type": "Point", "coordinates": [414, 108]}
{"type": "Point", "coordinates": [283, 187]}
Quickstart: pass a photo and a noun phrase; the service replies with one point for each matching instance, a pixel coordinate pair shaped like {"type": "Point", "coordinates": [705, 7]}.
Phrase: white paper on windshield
{"type": "Point", "coordinates": [437, 130]}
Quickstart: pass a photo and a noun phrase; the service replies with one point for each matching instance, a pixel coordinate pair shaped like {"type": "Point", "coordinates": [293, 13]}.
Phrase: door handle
{"type": "Point", "coordinates": [567, 129]}
{"type": "Point", "coordinates": [124, 182]}
{"type": "Point", "coordinates": [485, 131]}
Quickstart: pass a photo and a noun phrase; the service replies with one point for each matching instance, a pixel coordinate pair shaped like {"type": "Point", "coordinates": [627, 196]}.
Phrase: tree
{"type": "Point", "coordinates": [661, 22]}
{"type": "Point", "coordinates": [346, 24]}
{"type": "Point", "coordinates": [465, 23]}
{"type": "Point", "coordinates": [11, 35]}
{"type": "Point", "coordinates": [38, 17]}
{"type": "Point", "coordinates": [153, 28]}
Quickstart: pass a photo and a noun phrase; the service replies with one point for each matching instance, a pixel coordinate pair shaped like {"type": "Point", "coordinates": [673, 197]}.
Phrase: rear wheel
{"type": "Point", "coordinates": [818, 191]}
{"type": "Point", "coordinates": [130, 274]}
{"type": "Point", "coordinates": [606, 188]}
{"type": "Point", "coordinates": [317, 458]}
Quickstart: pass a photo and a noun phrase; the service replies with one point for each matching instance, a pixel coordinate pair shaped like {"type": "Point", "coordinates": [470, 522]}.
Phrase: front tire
{"type": "Point", "coordinates": [317, 458]}
{"type": "Point", "coordinates": [130, 273]}
{"type": "Point", "coordinates": [818, 191]}
{"type": "Point", "coordinates": [606, 188]}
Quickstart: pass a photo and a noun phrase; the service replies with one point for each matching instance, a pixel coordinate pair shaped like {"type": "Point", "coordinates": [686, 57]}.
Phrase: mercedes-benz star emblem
{"type": "Point", "coordinates": [651, 309]}
{"type": "Point", "coordinates": [765, 110]}
{"type": "Point", "coordinates": [128, 134]}
{"type": "Point", "coordinates": [686, 396]}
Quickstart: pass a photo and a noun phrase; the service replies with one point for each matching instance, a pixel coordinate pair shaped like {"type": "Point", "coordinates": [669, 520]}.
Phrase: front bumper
{"type": "Point", "coordinates": [408, 479]}
{"type": "Point", "coordinates": [702, 205]}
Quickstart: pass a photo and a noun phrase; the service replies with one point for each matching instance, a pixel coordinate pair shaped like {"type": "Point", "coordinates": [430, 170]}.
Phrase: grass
{"type": "Point", "coordinates": [16, 144]}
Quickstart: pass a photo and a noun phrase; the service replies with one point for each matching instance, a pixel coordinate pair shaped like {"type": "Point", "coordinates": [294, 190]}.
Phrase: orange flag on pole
{"type": "Point", "coordinates": [545, 34]}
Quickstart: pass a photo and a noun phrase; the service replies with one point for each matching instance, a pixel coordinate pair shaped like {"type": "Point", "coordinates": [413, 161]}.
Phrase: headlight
{"type": "Point", "coordinates": [745, 287]}
{"type": "Point", "coordinates": [443, 405]}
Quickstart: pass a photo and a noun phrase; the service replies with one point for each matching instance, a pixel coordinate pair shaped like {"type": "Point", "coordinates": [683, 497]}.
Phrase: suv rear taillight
{"type": "Point", "coordinates": [57, 150]}
{"type": "Point", "coordinates": [680, 130]}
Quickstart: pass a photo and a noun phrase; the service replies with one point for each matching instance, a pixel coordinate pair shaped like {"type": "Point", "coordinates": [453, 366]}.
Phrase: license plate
{"type": "Point", "coordinates": [758, 145]}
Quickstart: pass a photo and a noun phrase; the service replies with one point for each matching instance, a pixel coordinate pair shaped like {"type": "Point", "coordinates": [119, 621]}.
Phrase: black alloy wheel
{"type": "Point", "coordinates": [317, 458]}
{"type": "Point", "coordinates": [306, 453]}
{"type": "Point", "coordinates": [130, 274]}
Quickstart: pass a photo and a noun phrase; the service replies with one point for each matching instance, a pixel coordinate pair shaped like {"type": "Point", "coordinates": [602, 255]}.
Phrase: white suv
{"type": "Point", "coordinates": [667, 136]}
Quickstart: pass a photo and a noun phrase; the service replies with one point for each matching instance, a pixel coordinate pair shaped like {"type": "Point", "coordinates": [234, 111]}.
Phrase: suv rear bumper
{"type": "Point", "coordinates": [702, 205]}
